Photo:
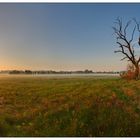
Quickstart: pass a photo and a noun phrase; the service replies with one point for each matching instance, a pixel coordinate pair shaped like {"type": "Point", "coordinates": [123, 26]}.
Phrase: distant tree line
{"type": "Point", "coordinates": [58, 72]}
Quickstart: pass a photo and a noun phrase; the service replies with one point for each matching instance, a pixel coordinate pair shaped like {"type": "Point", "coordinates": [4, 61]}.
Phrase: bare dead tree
{"type": "Point", "coordinates": [126, 42]}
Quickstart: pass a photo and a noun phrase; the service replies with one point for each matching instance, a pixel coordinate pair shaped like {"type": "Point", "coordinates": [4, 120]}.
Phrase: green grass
{"type": "Point", "coordinates": [39, 106]}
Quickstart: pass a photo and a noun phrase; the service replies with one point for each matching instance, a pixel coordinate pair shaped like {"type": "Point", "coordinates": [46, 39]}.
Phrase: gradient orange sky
{"type": "Point", "coordinates": [61, 36]}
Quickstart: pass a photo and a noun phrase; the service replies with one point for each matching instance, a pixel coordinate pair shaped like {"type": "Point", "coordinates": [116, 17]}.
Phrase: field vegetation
{"type": "Point", "coordinates": [80, 106]}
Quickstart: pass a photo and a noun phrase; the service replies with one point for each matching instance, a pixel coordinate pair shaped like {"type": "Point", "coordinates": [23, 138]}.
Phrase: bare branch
{"type": "Point", "coordinates": [138, 25]}
{"type": "Point", "coordinates": [126, 27]}
{"type": "Point", "coordinates": [119, 21]}
{"type": "Point", "coordinates": [138, 60]}
{"type": "Point", "coordinates": [122, 45]}
{"type": "Point", "coordinates": [132, 34]}
{"type": "Point", "coordinates": [122, 51]}
{"type": "Point", "coordinates": [124, 58]}
{"type": "Point", "coordinates": [117, 51]}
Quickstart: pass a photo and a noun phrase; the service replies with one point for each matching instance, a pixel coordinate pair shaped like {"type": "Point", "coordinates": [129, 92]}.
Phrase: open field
{"type": "Point", "coordinates": [40, 106]}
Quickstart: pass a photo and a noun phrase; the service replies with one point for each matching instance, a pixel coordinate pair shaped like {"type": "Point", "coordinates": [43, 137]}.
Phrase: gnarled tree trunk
{"type": "Point", "coordinates": [137, 71]}
{"type": "Point", "coordinates": [126, 43]}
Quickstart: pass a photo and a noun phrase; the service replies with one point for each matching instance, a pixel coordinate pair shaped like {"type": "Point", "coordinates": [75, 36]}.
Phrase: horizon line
{"type": "Point", "coordinates": [62, 70]}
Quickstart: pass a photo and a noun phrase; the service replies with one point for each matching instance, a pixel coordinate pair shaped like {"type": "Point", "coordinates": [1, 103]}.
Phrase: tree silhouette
{"type": "Point", "coordinates": [126, 42]}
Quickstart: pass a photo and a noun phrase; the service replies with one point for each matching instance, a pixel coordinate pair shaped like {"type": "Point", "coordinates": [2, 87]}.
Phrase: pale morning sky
{"type": "Point", "coordinates": [66, 36]}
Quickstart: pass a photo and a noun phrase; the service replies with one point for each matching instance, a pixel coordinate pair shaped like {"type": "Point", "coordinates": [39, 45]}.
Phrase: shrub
{"type": "Point", "coordinates": [129, 74]}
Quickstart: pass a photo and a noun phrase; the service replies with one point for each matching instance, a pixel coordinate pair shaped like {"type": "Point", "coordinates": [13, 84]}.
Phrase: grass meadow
{"type": "Point", "coordinates": [69, 107]}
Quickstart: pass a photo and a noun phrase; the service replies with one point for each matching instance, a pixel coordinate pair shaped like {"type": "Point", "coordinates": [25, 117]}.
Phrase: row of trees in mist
{"type": "Point", "coordinates": [59, 72]}
{"type": "Point", "coordinates": [47, 72]}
